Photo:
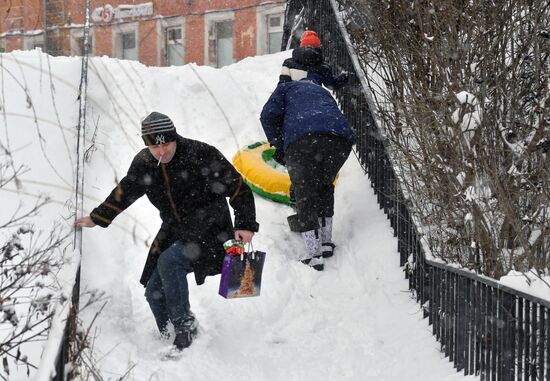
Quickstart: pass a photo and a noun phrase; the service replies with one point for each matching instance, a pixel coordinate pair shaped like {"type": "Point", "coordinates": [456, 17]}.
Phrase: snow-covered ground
{"type": "Point", "coordinates": [354, 321]}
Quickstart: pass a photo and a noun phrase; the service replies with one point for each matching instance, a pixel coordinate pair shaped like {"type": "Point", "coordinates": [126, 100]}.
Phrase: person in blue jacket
{"type": "Point", "coordinates": [308, 58]}
{"type": "Point", "coordinates": [302, 119]}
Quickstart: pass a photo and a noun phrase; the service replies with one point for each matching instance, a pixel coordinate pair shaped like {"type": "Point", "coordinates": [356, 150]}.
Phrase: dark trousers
{"type": "Point", "coordinates": [313, 163]}
{"type": "Point", "coordinates": [167, 290]}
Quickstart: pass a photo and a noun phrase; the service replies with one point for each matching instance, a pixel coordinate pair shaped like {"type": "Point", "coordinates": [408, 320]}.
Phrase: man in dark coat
{"type": "Point", "coordinates": [188, 182]}
{"type": "Point", "coordinates": [302, 119]}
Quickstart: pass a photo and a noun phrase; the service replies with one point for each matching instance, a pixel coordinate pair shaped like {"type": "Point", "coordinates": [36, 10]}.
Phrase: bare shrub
{"type": "Point", "coordinates": [462, 90]}
{"type": "Point", "coordinates": [30, 262]}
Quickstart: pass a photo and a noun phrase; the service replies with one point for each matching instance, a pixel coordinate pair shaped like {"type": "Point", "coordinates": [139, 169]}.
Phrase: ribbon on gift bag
{"type": "Point", "coordinates": [241, 271]}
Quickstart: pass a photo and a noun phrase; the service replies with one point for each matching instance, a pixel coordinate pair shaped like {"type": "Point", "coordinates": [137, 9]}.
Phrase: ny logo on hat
{"type": "Point", "coordinates": [160, 140]}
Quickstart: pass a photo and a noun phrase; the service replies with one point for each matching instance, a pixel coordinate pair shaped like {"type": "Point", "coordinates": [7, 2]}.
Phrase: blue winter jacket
{"type": "Point", "coordinates": [300, 107]}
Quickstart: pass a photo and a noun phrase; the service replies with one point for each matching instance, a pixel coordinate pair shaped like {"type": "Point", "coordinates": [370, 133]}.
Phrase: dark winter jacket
{"type": "Point", "coordinates": [310, 60]}
{"type": "Point", "coordinates": [298, 108]}
{"type": "Point", "coordinates": [190, 193]}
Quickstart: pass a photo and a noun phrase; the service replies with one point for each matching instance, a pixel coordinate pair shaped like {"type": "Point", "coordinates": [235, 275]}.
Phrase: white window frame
{"type": "Point", "coordinates": [118, 31]}
{"type": "Point", "coordinates": [162, 26]}
{"type": "Point", "coordinates": [76, 34]}
{"type": "Point", "coordinates": [262, 15]}
{"type": "Point", "coordinates": [210, 20]}
{"type": "Point", "coordinates": [29, 42]}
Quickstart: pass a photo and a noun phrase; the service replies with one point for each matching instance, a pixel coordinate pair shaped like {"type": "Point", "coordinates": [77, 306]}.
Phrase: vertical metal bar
{"type": "Point", "coordinates": [507, 357]}
{"type": "Point", "coordinates": [527, 340]}
{"type": "Point", "coordinates": [444, 313]}
{"type": "Point", "coordinates": [437, 304]}
{"type": "Point", "coordinates": [542, 334]}
{"type": "Point", "coordinates": [385, 184]}
{"type": "Point", "coordinates": [426, 286]}
{"type": "Point", "coordinates": [468, 322]}
{"type": "Point", "coordinates": [500, 336]}
{"type": "Point", "coordinates": [452, 317]}
{"type": "Point", "coordinates": [432, 301]}
{"type": "Point", "coordinates": [509, 354]}
{"type": "Point", "coordinates": [472, 332]}
{"type": "Point", "coordinates": [493, 332]}
{"type": "Point", "coordinates": [416, 269]}
{"type": "Point", "coordinates": [533, 350]}
{"type": "Point", "coordinates": [419, 266]}
{"type": "Point", "coordinates": [499, 322]}
{"type": "Point", "coordinates": [477, 327]}
{"type": "Point", "coordinates": [401, 224]}
{"type": "Point", "coordinates": [461, 322]}
{"type": "Point", "coordinates": [405, 236]}
{"type": "Point", "coordinates": [547, 340]}
{"type": "Point", "coordinates": [521, 338]}
{"type": "Point", "coordinates": [488, 333]}
{"type": "Point", "coordinates": [421, 278]}
{"type": "Point", "coordinates": [449, 314]}
{"type": "Point", "coordinates": [483, 334]}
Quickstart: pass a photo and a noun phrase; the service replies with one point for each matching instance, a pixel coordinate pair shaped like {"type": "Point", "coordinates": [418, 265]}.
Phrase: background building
{"type": "Point", "coordinates": [157, 33]}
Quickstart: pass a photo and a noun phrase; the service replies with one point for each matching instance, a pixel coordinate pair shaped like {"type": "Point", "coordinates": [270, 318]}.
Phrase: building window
{"type": "Point", "coordinates": [174, 46]}
{"type": "Point", "coordinates": [125, 44]}
{"type": "Point", "coordinates": [34, 42]}
{"type": "Point", "coordinates": [219, 39]}
{"type": "Point", "coordinates": [270, 19]}
{"type": "Point", "coordinates": [274, 32]}
{"type": "Point", "coordinates": [81, 45]}
{"type": "Point", "coordinates": [77, 45]}
{"type": "Point", "coordinates": [77, 42]}
{"type": "Point", "coordinates": [129, 49]}
{"type": "Point", "coordinates": [224, 43]}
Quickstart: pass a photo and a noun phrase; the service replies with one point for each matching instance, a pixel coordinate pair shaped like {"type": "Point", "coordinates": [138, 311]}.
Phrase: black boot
{"type": "Point", "coordinates": [186, 331]}
{"type": "Point", "coordinates": [314, 263]}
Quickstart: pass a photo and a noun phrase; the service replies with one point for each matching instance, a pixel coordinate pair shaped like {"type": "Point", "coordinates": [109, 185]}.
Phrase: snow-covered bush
{"type": "Point", "coordinates": [462, 92]}
{"type": "Point", "coordinates": [29, 261]}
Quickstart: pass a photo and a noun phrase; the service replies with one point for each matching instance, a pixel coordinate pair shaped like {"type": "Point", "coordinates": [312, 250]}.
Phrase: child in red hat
{"type": "Point", "coordinates": [308, 60]}
{"type": "Point", "coordinates": [310, 38]}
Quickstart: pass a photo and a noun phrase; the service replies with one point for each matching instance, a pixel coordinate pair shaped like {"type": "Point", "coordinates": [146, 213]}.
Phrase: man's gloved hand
{"type": "Point", "coordinates": [279, 156]}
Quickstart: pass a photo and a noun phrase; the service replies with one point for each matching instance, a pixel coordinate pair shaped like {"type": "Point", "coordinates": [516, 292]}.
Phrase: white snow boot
{"type": "Point", "coordinates": [313, 248]}
{"type": "Point", "coordinates": [327, 247]}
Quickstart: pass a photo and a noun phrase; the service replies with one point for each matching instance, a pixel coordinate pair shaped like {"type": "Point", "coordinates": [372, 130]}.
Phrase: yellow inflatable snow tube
{"type": "Point", "coordinates": [263, 175]}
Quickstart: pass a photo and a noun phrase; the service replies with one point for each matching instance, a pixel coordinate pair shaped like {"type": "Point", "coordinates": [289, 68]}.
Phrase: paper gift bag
{"type": "Point", "coordinates": [241, 273]}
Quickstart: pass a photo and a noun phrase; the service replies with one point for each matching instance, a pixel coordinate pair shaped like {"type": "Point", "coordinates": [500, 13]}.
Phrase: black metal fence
{"type": "Point", "coordinates": [484, 328]}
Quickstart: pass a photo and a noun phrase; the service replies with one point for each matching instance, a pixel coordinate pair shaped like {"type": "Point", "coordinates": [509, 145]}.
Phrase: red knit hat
{"type": "Point", "coordinates": [310, 38]}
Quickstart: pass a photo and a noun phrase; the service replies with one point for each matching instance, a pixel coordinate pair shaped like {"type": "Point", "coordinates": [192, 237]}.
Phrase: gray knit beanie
{"type": "Point", "coordinates": [157, 128]}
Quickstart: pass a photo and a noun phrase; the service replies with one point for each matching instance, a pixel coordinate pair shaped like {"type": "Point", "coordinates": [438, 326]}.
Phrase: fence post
{"type": "Point", "coordinates": [508, 314]}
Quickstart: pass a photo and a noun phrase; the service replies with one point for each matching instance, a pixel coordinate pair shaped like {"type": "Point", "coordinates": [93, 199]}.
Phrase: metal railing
{"type": "Point", "coordinates": [484, 327]}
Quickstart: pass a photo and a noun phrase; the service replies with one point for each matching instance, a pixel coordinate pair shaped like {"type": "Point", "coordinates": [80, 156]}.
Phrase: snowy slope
{"type": "Point", "coordinates": [354, 321]}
